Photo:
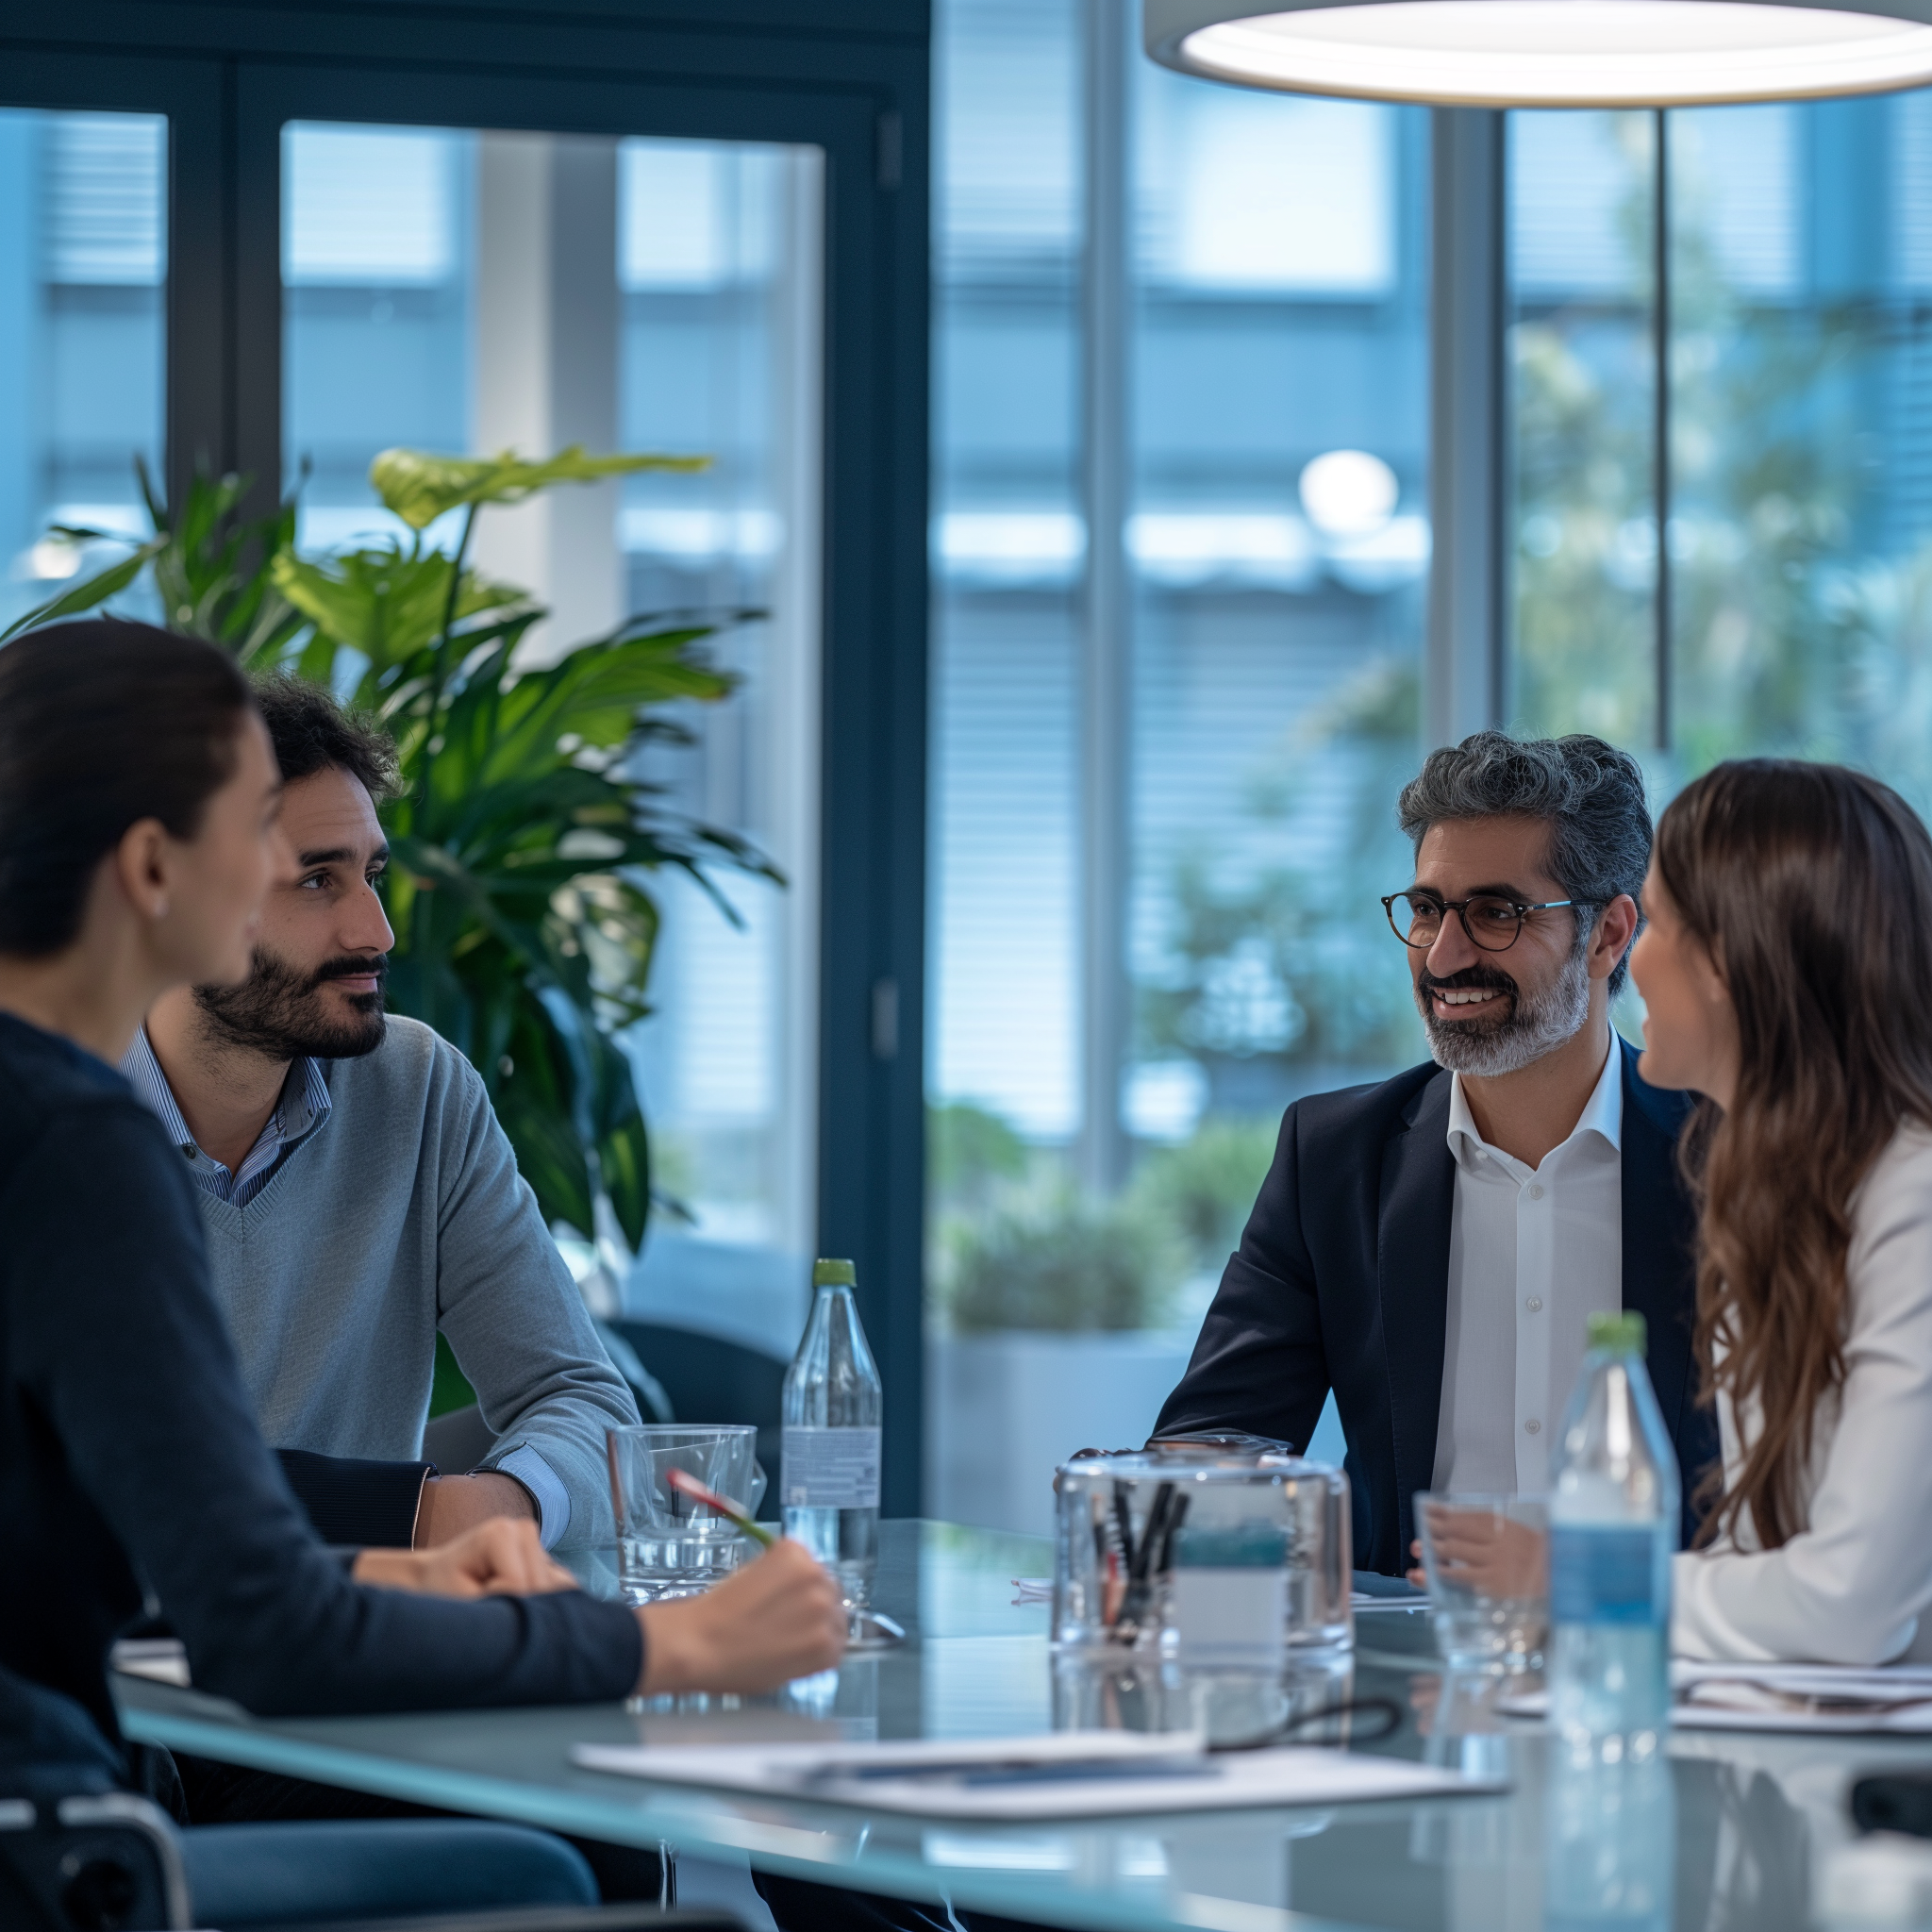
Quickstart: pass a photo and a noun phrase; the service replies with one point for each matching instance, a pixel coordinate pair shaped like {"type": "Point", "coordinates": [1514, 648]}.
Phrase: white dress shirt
{"type": "Point", "coordinates": [1854, 1585]}
{"type": "Point", "coordinates": [1533, 1252]}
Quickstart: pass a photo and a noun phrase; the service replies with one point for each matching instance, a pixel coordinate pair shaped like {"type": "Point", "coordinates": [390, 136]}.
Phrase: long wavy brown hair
{"type": "Point", "coordinates": [1811, 886]}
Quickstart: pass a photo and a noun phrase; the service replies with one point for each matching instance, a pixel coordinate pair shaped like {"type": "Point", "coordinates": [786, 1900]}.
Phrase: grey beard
{"type": "Point", "coordinates": [1539, 1024]}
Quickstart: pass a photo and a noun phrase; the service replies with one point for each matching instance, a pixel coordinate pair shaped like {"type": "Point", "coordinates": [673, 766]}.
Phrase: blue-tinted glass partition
{"type": "Point", "coordinates": [83, 276]}
{"type": "Point", "coordinates": [1266, 646]}
{"type": "Point", "coordinates": [1795, 270]}
{"type": "Point", "coordinates": [316, 285]}
{"type": "Point", "coordinates": [1249, 343]}
{"type": "Point", "coordinates": [432, 279]}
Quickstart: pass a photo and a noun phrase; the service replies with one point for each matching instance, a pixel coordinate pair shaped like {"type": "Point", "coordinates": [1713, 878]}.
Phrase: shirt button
{"type": "Point", "coordinates": [1534, 1304]}
{"type": "Point", "coordinates": [1536, 1193]}
{"type": "Point", "coordinates": [1532, 1426]}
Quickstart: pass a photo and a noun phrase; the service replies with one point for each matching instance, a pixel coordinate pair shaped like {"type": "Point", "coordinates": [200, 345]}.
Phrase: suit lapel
{"type": "Point", "coordinates": [1413, 1267]}
{"type": "Point", "coordinates": [1660, 1234]}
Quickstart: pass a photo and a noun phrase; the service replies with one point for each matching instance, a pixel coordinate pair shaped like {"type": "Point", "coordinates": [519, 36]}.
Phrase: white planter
{"type": "Point", "coordinates": [1003, 1410]}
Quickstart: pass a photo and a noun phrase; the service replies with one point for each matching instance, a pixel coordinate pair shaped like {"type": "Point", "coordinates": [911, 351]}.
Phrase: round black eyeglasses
{"type": "Point", "coordinates": [1492, 923]}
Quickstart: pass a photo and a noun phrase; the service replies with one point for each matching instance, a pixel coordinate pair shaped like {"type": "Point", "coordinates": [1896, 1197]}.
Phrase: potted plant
{"type": "Point", "coordinates": [523, 836]}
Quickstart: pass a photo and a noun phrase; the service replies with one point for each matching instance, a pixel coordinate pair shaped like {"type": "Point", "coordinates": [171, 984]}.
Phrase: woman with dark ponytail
{"type": "Point", "coordinates": [1786, 971]}
{"type": "Point", "coordinates": [138, 801]}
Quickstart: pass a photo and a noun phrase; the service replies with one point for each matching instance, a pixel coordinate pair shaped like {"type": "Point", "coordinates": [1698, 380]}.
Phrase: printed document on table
{"type": "Point", "coordinates": [1832, 1699]}
{"type": "Point", "coordinates": [1061, 1774]}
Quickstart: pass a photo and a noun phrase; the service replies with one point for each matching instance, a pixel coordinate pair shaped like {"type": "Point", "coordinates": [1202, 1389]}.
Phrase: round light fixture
{"type": "Point", "coordinates": [1549, 53]}
{"type": "Point", "coordinates": [1349, 493]}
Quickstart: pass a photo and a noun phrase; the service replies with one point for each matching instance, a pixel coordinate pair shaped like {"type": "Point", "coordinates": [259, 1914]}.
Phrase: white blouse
{"type": "Point", "coordinates": [1852, 1585]}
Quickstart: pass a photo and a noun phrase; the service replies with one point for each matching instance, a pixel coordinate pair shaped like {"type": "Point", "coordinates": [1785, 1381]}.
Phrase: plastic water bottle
{"type": "Point", "coordinates": [1613, 1527]}
{"type": "Point", "coordinates": [830, 1480]}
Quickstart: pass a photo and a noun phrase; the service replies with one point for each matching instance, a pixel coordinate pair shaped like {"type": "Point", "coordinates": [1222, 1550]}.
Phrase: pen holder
{"type": "Point", "coordinates": [1212, 1558]}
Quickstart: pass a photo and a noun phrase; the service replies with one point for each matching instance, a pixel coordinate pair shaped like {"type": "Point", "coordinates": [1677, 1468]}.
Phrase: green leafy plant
{"type": "Point", "coordinates": [970, 1153]}
{"type": "Point", "coordinates": [521, 836]}
{"type": "Point", "coordinates": [1204, 1187]}
{"type": "Point", "coordinates": [1279, 966]}
{"type": "Point", "coordinates": [1062, 1264]}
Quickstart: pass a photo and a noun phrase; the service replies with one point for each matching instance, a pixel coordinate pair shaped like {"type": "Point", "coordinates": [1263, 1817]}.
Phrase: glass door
{"type": "Point", "coordinates": [460, 290]}
{"type": "Point", "coordinates": [83, 284]}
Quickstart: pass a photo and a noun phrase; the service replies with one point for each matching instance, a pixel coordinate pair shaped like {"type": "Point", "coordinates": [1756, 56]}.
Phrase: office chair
{"type": "Point", "coordinates": [76, 1853]}
{"type": "Point", "coordinates": [93, 1862]}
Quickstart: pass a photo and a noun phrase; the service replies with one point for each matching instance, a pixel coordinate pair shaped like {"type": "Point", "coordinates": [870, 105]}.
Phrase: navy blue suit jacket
{"type": "Point", "coordinates": [1341, 1281]}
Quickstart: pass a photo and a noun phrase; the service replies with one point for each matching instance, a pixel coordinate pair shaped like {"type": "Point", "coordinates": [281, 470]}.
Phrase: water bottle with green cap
{"type": "Point", "coordinates": [830, 1481]}
{"type": "Point", "coordinates": [1613, 1528]}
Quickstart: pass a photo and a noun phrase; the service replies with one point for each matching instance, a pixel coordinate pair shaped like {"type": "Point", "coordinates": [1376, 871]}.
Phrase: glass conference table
{"type": "Point", "coordinates": [1740, 1821]}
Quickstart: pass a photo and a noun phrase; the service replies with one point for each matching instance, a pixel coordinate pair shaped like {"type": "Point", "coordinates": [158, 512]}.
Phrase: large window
{"type": "Point", "coordinates": [462, 290]}
{"type": "Point", "coordinates": [1179, 547]}
{"type": "Point", "coordinates": [1787, 611]}
{"type": "Point", "coordinates": [83, 274]}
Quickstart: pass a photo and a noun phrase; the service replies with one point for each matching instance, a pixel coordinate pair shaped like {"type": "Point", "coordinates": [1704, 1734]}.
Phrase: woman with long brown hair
{"type": "Point", "coordinates": [1787, 971]}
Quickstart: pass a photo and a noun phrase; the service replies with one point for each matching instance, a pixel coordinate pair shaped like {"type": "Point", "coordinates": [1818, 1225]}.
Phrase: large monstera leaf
{"type": "Point", "coordinates": [420, 488]}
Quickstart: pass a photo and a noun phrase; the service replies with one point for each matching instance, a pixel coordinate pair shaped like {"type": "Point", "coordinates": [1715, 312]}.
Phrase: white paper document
{"type": "Point", "coordinates": [1830, 1698]}
{"type": "Point", "coordinates": [162, 1659]}
{"type": "Point", "coordinates": [1061, 1774]}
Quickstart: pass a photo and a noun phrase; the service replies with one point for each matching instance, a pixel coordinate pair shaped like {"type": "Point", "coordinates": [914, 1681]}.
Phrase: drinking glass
{"type": "Point", "coordinates": [668, 1543]}
{"type": "Point", "coordinates": [1488, 1564]}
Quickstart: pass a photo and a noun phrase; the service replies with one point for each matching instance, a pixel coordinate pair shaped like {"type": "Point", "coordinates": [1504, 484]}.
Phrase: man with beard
{"type": "Point", "coordinates": [1430, 1248]}
{"type": "Point", "coordinates": [357, 1194]}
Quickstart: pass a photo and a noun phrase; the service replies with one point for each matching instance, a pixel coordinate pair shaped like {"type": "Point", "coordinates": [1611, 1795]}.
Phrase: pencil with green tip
{"type": "Point", "coordinates": [682, 1480]}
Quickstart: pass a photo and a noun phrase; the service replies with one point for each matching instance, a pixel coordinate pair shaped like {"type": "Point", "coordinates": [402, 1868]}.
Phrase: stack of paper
{"type": "Point", "coordinates": [1063, 1774]}
{"type": "Point", "coordinates": [1785, 1697]}
{"type": "Point", "coordinates": [1808, 1697]}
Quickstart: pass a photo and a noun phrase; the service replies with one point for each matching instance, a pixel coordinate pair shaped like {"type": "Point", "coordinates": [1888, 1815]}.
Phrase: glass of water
{"type": "Point", "coordinates": [1488, 1564]}
{"type": "Point", "coordinates": [668, 1543]}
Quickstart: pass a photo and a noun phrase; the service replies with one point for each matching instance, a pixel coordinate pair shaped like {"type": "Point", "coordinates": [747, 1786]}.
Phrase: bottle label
{"type": "Point", "coordinates": [1606, 1574]}
{"type": "Point", "coordinates": [831, 1468]}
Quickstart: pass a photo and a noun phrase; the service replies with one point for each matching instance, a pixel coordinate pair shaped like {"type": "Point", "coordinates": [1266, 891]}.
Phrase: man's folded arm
{"type": "Point", "coordinates": [1258, 1364]}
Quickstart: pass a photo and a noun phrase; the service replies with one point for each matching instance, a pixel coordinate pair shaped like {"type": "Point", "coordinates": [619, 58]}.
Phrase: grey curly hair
{"type": "Point", "coordinates": [1588, 792]}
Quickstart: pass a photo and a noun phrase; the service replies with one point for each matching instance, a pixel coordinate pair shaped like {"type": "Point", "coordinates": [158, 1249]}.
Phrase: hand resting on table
{"type": "Point", "coordinates": [501, 1556]}
{"type": "Point", "coordinates": [779, 1618]}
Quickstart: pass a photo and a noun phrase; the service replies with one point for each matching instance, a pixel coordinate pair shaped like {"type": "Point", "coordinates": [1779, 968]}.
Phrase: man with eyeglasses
{"type": "Point", "coordinates": [1432, 1247]}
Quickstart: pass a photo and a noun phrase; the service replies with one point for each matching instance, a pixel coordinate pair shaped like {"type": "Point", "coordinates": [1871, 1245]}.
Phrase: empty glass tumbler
{"type": "Point", "coordinates": [668, 1543]}
{"type": "Point", "coordinates": [1488, 1564]}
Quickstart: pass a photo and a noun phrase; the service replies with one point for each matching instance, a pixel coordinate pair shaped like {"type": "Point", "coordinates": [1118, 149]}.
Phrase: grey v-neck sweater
{"type": "Point", "coordinates": [400, 1213]}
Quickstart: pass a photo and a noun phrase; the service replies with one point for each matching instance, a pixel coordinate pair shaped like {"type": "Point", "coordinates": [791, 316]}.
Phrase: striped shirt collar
{"type": "Point", "coordinates": [304, 1105]}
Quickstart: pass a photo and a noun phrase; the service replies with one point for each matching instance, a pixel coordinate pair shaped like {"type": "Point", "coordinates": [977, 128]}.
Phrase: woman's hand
{"type": "Point", "coordinates": [503, 1557]}
{"type": "Point", "coordinates": [781, 1617]}
{"type": "Point", "coordinates": [1492, 1555]}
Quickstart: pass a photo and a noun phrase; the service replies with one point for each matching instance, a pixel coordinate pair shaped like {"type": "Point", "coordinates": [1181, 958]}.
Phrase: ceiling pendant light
{"type": "Point", "coordinates": [1548, 53]}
